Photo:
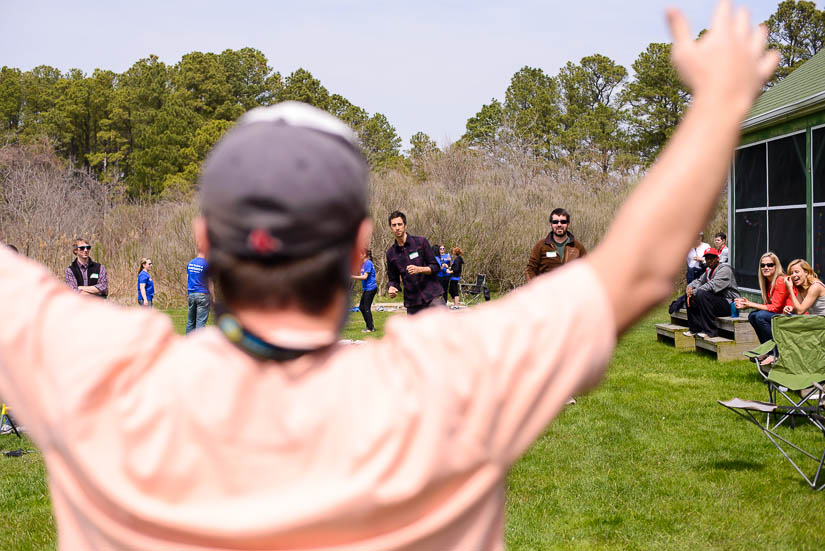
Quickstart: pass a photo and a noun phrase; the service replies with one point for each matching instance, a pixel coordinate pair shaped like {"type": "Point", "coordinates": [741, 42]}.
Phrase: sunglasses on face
{"type": "Point", "coordinates": [557, 222]}
{"type": "Point", "coordinates": [767, 265]}
{"type": "Point", "coordinates": [84, 248]}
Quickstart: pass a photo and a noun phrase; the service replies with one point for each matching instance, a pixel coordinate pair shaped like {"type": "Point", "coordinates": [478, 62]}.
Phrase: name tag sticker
{"type": "Point", "coordinates": [93, 276]}
{"type": "Point", "coordinates": [551, 254]}
{"type": "Point", "coordinates": [414, 255]}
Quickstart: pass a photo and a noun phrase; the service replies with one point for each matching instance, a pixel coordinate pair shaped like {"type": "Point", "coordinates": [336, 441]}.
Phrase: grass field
{"type": "Point", "coordinates": [648, 460]}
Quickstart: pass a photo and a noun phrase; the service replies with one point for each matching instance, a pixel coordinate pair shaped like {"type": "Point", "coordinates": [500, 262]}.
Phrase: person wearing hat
{"type": "Point", "coordinates": [709, 296]}
{"type": "Point", "coordinates": [264, 431]}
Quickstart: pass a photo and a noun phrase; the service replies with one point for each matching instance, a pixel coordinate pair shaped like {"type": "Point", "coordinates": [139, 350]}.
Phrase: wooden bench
{"type": "Point", "coordinates": [735, 336]}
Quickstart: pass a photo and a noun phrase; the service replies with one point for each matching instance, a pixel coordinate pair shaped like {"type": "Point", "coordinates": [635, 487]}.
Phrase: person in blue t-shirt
{"type": "Point", "coordinates": [146, 287]}
{"type": "Point", "coordinates": [370, 288]}
{"type": "Point", "coordinates": [445, 261]}
{"type": "Point", "coordinates": [200, 291]}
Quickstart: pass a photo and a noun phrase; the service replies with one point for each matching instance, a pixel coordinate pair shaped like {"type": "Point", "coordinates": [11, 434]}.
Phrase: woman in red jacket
{"type": "Point", "coordinates": [774, 296]}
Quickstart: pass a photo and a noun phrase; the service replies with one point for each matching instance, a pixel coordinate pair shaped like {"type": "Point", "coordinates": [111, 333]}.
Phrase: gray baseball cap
{"type": "Point", "coordinates": [287, 181]}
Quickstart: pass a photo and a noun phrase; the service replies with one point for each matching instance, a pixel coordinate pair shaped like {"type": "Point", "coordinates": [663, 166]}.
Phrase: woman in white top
{"type": "Point", "coordinates": [811, 291]}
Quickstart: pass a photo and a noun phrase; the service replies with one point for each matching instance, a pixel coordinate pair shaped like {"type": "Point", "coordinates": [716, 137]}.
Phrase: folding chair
{"type": "Point", "coordinates": [472, 292]}
{"type": "Point", "coordinates": [799, 370]}
{"type": "Point", "coordinates": [6, 418]}
{"type": "Point", "coordinates": [815, 414]}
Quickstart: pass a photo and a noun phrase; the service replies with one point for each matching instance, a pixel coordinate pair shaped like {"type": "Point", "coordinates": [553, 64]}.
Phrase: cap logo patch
{"type": "Point", "coordinates": [262, 243]}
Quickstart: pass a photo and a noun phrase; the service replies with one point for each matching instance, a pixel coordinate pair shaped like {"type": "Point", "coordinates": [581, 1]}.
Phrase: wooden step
{"type": "Point", "coordinates": [672, 333]}
{"type": "Point", "coordinates": [738, 329]}
{"type": "Point", "coordinates": [726, 350]}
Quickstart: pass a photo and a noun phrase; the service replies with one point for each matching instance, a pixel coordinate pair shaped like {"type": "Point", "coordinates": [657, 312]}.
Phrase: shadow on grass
{"type": "Point", "coordinates": [737, 465]}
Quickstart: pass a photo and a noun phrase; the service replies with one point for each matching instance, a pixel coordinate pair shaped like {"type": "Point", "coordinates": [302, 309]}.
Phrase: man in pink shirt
{"type": "Point", "coordinates": [264, 432]}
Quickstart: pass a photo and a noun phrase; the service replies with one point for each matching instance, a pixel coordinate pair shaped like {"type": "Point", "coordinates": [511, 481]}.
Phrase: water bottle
{"type": "Point", "coordinates": [734, 312]}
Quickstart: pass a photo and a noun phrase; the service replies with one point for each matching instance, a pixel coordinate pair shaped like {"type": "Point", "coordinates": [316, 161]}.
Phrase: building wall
{"type": "Point", "coordinates": [777, 195]}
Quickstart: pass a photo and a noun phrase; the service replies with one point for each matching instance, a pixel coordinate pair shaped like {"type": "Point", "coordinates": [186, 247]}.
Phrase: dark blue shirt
{"type": "Point", "coordinates": [197, 280]}
{"type": "Point", "coordinates": [419, 289]}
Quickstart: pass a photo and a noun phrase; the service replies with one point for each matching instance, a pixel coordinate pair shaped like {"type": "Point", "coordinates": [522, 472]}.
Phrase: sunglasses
{"type": "Point", "coordinates": [555, 222]}
{"type": "Point", "coordinates": [767, 265]}
{"type": "Point", "coordinates": [84, 248]}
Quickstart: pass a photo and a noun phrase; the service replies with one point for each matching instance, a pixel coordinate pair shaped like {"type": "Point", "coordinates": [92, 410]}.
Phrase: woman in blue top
{"type": "Point", "coordinates": [455, 275]}
{"type": "Point", "coordinates": [146, 287]}
{"type": "Point", "coordinates": [444, 260]}
{"type": "Point", "coordinates": [370, 288]}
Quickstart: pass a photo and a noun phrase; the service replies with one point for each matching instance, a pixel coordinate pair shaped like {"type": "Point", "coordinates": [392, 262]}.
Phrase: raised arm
{"type": "Point", "coordinates": [814, 292]}
{"type": "Point", "coordinates": [725, 69]}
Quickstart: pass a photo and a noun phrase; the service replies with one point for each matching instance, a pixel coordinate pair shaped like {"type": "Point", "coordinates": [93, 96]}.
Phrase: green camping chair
{"type": "Point", "coordinates": [748, 410]}
{"type": "Point", "coordinates": [799, 370]}
{"type": "Point", "coordinates": [797, 376]}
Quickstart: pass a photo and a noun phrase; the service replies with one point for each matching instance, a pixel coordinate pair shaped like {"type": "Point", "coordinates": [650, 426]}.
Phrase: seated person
{"type": "Point", "coordinates": [774, 296]}
{"type": "Point", "coordinates": [810, 291]}
{"type": "Point", "coordinates": [710, 296]}
{"type": "Point", "coordinates": [695, 266]}
{"type": "Point", "coordinates": [720, 242]}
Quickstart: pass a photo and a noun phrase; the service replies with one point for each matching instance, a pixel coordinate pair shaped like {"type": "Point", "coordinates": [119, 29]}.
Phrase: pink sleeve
{"type": "Point", "coordinates": [511, 365]}
{"type": "Point", "coordinates": [61, 352]}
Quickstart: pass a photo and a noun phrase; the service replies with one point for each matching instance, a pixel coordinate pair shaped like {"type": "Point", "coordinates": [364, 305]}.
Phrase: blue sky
{"type": "Point", "coordinates": [427, 65]}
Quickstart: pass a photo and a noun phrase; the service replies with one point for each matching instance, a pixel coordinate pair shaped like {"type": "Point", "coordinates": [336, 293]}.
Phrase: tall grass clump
{"type": "Point", "coordinates": [494, 209]}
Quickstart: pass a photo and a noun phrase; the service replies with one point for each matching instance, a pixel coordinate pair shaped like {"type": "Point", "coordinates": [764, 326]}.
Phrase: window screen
{"type": "Point", "coordinates": [750, 243]}
{"type": "Point", "coordinates": [750, 174]}
{"type": "Point", "coordinates": [818, 158]}
{"type": "Point", "coordinates": [786, 171]}
{"type": "Point", "coordinates": [787, 234]}
{"type": "Point", "coordinates": [819, 240]}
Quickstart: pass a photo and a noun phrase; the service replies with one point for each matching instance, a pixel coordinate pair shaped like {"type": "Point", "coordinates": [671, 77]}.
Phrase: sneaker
{"type": "Point", "coordinates": [368, 330]}
{"type": "Point", "coordinates": [689, 334]}
{"type": "Point", "coordinates": [702, 335]}
{"type": "Point", "coordinates": [453, 307]}
{"type": "Point", "coordinates": [571, 401]}
{"type": "Point", "coordinates": [6, 429]}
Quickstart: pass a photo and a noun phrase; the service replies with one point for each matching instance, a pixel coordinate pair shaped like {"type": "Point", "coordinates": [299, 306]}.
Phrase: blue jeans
{"type": "Point", "coordinates": [199, 305]}
{"type": "Point", "coordinates": [760, 320]}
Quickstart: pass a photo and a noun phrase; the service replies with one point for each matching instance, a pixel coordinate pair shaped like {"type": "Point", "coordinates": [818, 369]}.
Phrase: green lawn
{"type": "Point", "coordinates": [648, 460]}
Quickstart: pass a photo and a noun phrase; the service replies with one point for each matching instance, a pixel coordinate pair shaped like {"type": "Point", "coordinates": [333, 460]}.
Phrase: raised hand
{"type": "Point", "coordinates": [729, 62]}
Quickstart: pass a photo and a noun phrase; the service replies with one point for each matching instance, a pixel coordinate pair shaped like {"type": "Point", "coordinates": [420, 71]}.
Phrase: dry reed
{"type": "Point", "coordinates": [494, 211]}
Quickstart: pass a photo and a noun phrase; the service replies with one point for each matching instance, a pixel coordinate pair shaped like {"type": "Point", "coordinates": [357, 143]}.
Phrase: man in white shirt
{"type": "Point", "coordinates": [695, 259]}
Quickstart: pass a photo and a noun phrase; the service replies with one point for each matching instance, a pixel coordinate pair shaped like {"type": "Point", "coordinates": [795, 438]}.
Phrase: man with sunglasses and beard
{"type": "Point", "coordinates": [557, 249]}
{"type": "Point", "coordinates": [84, 275]}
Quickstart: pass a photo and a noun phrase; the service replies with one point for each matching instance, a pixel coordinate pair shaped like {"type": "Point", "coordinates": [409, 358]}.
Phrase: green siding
{"type": "Point", "coordinates": [784, 127]}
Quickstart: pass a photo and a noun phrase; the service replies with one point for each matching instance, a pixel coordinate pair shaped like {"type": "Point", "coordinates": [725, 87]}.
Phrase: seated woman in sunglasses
{"type": "Point", "coordinates": [774, 297]}
{"type": "Point", "coordinates": [810, 291]}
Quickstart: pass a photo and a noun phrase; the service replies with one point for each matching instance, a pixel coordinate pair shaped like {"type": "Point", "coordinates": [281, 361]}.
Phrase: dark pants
{"type": "Point", "coordinates": [703, 310]}
{"type": "Point", "coordinates": [693, 273]}
{"type": "Point", "coordinates": [365, 307]}
{"type": "Point", "coordinates": [445, 284]}
{"type": "Point", "coordinates": [760, 320]}
{"type": "Point", "coordinates": [419, 307]}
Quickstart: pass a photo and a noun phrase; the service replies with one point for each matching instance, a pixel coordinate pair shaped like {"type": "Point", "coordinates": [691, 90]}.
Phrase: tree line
{"type": "Point", "coordinates": [145, 131]}
{"type": "Point", "coordinates": [595, 118]}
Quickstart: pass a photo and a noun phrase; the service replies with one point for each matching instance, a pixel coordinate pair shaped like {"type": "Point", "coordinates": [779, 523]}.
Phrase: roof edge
{"type": "Point", "coordinates": [780, 112]}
